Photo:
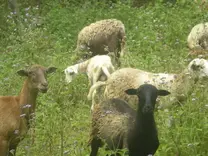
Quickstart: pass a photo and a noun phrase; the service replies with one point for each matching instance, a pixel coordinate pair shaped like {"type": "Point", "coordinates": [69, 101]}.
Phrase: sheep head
{"type": "Point", "coordinates": [147, 95]}
{"type": "Point", "coordinates": [37, 77]}
{"type": "Point", "coordinates": [70, 73]}
{"type": "Point", "coordinates": [198, 68]}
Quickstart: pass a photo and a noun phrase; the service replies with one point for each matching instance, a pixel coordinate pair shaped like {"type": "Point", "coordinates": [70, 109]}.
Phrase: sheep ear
{"type": "Point", "coordinates": [163, 92]}
{"type": "Point", "coordinates": [194, 66]}
{"type": "Point", "coordinates": [75, 69]}
{"type": "Point", "coordinates": [197, 64]}
{"type": "Point", "coordinates": [131, 91]}
{"type": "Point", "coordinates": [22, 72]}
{"type": "Point", "coordinates": [50, 70]}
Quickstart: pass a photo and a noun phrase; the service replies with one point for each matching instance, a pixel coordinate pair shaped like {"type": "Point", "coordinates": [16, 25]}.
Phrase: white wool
{"type": "Point", "coordinates": [198, 37]}
{"type": "Point", "coordinates": [98, 68]}
{"type": "Point", "coordinates": [180, 85]}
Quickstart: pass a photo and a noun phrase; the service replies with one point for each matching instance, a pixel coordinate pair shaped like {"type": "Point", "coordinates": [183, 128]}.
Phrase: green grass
{"type": "Point", "coordinates": [156, 40]}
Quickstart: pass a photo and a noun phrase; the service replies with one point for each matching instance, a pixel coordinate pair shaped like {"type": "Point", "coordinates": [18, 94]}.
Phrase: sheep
{"type": "Point", "coordinates": [180, 85]}
{"type": "Point", "coordinates": [98, 68]}
{"type": "Point", "coordinates": [16, 111]}
{"type": "Point", "coordinates": [198, 37]}
{"type": "Point", "coordinates": [102, 37]}
{"type": "Point", "coordinates": [115, 123]}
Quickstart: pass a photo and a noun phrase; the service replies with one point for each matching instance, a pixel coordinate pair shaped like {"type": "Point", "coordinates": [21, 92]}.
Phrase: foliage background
{"type": "Point", "coordinates": [156, 40]}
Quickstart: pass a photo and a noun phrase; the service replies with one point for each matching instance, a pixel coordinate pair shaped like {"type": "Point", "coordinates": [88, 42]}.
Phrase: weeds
{"type": "Point", "coordinates": [156, 40]}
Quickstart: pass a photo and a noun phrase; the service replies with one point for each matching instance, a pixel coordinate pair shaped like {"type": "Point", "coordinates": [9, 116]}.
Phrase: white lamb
{"type": "Point", "coordinates": [180, 85]}
{"type": "Point", "coordinates": [98, 68]}
{"type": "Point", "coordinates": [198, 37]}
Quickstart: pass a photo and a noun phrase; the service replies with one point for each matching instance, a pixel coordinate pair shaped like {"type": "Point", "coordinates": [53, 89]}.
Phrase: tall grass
{"type": "Point", "coordinates": [156, 40]}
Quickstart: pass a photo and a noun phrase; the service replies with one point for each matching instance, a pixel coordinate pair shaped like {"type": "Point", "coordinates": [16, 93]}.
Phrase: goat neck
{"type": "Point", "coordinates": [27, 97]}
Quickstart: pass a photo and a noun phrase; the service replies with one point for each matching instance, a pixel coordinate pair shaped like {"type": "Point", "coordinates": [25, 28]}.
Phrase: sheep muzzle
{"type": "Point", "coordinates": [147, 109]}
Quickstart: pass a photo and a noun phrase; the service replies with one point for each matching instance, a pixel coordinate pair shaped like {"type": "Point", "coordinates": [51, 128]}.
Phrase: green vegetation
{"type": "Point", "coordinates": [156, 40]}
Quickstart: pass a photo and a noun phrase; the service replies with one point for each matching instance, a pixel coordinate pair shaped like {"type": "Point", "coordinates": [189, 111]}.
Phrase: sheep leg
{"type": "Point", "coordinates": [95, 144]}
{"type": "Point", "coordinates": [93, 88]}
{"type": "Point", "coordinates": [122, 45]}
{"type": "Point", "coordinates": [117, 60]}
{"type": "Point", "coordinates": [93, 100]}
{"type": "Point", "coordinates": [96, 75]}
{"type": "Point", "coordinates": [3, 146]}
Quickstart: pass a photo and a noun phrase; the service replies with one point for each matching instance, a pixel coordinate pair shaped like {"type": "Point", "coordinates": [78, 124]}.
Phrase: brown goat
{"type": "Point", "coordinates": [16, 111]}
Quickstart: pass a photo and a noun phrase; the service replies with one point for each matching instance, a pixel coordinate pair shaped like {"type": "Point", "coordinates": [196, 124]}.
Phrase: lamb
{"type": "Point", "coordinates": [102, 37]}
{"type": "Point", "coordinates": [119, 126]}
{"type": "Point", "coordinates": [16, 111]}
{"type": "Point", "coordinates": [198, 37]}
{"type": "Point", "coordinates": [180, 85]}
{"type": "Point", "coordinates": [98, 68]}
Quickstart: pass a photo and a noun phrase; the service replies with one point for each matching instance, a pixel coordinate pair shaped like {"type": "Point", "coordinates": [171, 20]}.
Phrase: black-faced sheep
{"type": "Point", "coordinates": [102, 37]}
{"type": "Point", "coordinates": [180, 85]}
{"type": "Point", "coordinates": [119, 126]}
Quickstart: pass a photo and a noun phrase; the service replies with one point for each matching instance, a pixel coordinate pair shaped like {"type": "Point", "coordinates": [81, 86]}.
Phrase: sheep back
{"type": "Point", "coordinates": [101, 37]}
{"type": "Point", "coordinates": [111, 120]}
{"type": "Point", "coordinates": [120, 81]}
{"type": "Point", "coordinates": [178, 84]}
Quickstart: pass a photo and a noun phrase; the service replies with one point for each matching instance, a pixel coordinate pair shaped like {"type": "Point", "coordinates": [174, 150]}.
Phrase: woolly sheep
{"type": "Point", "coordinates": [119, 126]}
{"type": "Point", "coordinates": [198, 37]}
{"type": "Point", "coordinates": [180, 85]}
{"type": "Point", "coordinates": [102, 37]}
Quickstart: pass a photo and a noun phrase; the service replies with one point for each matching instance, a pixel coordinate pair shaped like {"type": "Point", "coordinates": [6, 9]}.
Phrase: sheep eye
{"type": "Point", "coordinates": [32, 74]}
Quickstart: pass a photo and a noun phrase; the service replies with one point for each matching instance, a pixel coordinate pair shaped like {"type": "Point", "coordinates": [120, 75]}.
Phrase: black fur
{"type": "Point", "coordinates": [137, 133]}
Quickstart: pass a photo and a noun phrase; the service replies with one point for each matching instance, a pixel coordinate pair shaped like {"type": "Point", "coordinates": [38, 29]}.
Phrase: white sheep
{"type": "Point", "coordinates": [198, 37]}
{"type": "Point", "coordinates": [97, 68]}
{"type": "Point", "coordinates": [102, 37]}
{"type": "Point", "coordinates": [180, 85]}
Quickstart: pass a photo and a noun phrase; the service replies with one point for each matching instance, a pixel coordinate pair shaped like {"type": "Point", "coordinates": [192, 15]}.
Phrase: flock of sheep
{"type": "Point", "coordinates": [123, 100]}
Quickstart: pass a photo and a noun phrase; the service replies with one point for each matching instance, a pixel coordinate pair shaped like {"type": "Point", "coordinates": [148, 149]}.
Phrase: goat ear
{"type": "Point", "coordinates": [22, 72]}
{"type": "Point", "coordinates": [131, 91]}
{"type": "Point", "coordinates": [50, 70]}
{"type": "Point", "coordinates": [163, 92]}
